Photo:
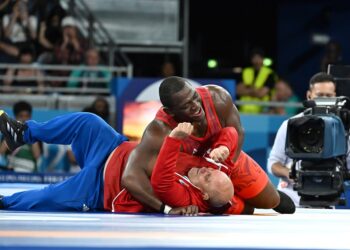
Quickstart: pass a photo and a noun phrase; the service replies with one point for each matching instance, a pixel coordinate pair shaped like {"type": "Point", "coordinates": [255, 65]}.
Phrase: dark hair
{"type": "Point", "coordinates": [104, 114]}
{"type": "Point", "coordinates": [22, 106]}
{"type": "Point", "coordinates": [168, 88]}
{"type": "Point", "coordinates": [27, 49]}
{"type": "Point", "coordinates": [321, 77]}
{"type": "Point", "coordinates": [257, 51]}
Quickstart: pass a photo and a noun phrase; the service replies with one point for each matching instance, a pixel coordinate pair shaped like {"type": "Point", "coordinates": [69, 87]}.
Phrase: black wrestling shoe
{"type": "Point", "coordinates": [286, 205]}
{"type": "Point", "coordinates": [12, 130]}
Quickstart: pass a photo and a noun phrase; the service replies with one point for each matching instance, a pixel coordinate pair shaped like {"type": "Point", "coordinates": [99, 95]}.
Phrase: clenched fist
{"type": "Point", "coordinates": [219, 154]}
{"type": "Point", "coordinates": [182, 130]}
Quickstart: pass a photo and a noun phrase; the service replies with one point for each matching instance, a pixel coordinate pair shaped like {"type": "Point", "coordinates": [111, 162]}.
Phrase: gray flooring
{"type": "Point", "coordinates": [307, 229]}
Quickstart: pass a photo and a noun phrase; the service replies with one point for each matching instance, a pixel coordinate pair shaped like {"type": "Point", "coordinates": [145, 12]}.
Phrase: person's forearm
{"type": "Point", "coordinates": [228, 137]}
{"type": "Point", "coordinates": [242, 89]}
{"type": "Point", "coordinates": [143, 193]}
{"type": "Point", "coordinates": [260, 93]}
{"type": "Point", "coordinates": [163, 178]}
{"type": "Point", "coordinates": [279, 170]}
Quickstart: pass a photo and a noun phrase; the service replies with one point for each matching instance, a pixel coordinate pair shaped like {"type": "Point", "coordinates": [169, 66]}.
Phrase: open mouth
{"type": "Point", "coordinates": [198, 113]}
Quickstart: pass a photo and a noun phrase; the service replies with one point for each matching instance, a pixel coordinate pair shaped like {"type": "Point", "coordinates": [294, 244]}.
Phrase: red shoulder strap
{"type": "Point", "coordinates": [212, 118]}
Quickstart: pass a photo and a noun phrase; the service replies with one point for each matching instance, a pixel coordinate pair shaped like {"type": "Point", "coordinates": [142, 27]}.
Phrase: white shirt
{"type": "Point", "coordinates": [18, 34]}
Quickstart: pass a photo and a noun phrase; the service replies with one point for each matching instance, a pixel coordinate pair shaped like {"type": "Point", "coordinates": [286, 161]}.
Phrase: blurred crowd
{"type": "Point", "coordinates": [260, 83]}
{"type": "Point", "coordinates": [41, 32]}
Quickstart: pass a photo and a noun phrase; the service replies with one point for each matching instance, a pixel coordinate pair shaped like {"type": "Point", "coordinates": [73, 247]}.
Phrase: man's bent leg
{"type": "Point", "coordinates": [92, 139]}
{"type": "Point", "coordinates": [252, 184]}
{"type": "Point", "coordinates": [78, 193]}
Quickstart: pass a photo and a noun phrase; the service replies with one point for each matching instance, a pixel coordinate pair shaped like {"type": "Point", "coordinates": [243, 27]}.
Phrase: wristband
{"type": "Point", "coordinates": [165, 209]}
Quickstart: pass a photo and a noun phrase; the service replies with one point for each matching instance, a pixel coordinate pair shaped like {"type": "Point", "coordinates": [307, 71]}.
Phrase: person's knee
{"type": "Point", "coordinates": [266, 199]}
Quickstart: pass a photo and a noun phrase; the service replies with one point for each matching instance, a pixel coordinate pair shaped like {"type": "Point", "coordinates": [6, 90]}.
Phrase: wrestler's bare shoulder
{"type": "Point", "coordinates": [158, 127]}
{"type": "Point", "coordinates": [219, 94]}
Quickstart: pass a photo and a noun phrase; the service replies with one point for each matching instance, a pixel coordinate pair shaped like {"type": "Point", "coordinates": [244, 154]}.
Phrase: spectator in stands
{"type": "Point", "coordinates": [3, 7]}
{"type": "Point", "coordinates": [168, 69]}
{"type": "Point", "coordinates": [99, 107]}
{"type": "Point", "coordinates": [56, 159]}
{"type": "Point", "coordinates": [256, 83]}
{"type": "Point", "coordinates": [333, 55]}
{"type": "Point", "coordinates": [17, 27]}
{"type": "Point", "coordinates": [50, 32]}
{"type": "Point", "coordinates": [20, 27]}
{"type": "Point", "coordinates": [92, 59]}
{"type": "Point", "coordinates": [26, 57]}
{"type": "Point", "coordinates": [71, 49]}
{"type": "Point", "coordinates": [68, 51]}
{"type": "Point", "coordinates": [279, 164]}
{"type": "Point", "coordinates": [283, 93]}
{"type": "Point", "coordinates": [26, 157]}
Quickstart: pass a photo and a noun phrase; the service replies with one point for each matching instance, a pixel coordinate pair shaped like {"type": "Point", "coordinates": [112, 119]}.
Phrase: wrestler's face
{"type": "Point", "coordinates": [207, 179]}
{"type": "Point", "coordinates": [187, 105]}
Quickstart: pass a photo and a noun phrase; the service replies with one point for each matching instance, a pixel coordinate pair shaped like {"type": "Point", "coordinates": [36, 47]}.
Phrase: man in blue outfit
{"type": "Point", "coordinates": [92, 141]}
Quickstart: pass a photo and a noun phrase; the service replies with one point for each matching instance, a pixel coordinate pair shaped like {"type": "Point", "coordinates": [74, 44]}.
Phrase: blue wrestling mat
{"type": "Point", "coordinates": [307, 229]}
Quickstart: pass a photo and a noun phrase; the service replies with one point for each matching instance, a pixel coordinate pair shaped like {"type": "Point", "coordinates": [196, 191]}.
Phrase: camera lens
{"type": "Point", "coordinates": [306, 135]}
{"type": "Point", "coordinates": [310, 139]}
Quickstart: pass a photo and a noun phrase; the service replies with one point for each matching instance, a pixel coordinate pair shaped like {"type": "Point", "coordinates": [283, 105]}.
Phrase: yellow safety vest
{"type": "Point", "coordinates": [259, 82]}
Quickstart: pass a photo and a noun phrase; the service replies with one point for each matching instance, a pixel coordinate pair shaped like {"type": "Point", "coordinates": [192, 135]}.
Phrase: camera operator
{"type": "Point", "coordinates": [279, 164]}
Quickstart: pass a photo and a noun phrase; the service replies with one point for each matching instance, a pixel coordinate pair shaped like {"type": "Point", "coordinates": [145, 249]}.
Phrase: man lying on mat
{"type": "Point", "coordinates": [101, 153]}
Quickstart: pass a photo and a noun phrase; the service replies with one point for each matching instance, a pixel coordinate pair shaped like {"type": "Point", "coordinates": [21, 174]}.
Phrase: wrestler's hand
{"type": "Point", "coordinates": [191, 210]}
{"type": "Point", "coordinates": [220, 153]}
{"type": "Point", "coordinates": [182, 130]}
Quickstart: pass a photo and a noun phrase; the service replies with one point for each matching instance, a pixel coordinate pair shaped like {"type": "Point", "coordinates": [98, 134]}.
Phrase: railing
{"type": "Point", "coordinates": [114, 72]}
{"type": "Point", "coordinates": [97, 33]}
{"type": "Point", "coordinates": [47, 78]}
{"type": "Point", "coordinates": [271, 104]}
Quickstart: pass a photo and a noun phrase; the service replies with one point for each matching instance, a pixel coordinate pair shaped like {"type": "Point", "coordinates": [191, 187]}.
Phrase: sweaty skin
{"type": "Point", "coordinates": [136, 177]}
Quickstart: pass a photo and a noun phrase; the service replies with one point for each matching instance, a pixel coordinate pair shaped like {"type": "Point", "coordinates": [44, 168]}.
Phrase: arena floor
{"type": "Point", "coordinates": [307, 229]}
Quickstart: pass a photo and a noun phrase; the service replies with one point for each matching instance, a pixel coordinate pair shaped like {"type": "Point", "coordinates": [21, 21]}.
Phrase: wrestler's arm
{"type": "Point", "coordinates": [136, 176]}
{"type": "Point", "coordinates": [163, 177]}
{"type": "Point", "coordinates": [228, 113]}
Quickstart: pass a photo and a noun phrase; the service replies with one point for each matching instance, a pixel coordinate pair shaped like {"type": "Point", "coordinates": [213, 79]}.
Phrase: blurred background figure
{"type": "Point", "coordinates": [333, 55]}
{"type": "Point", "coordinates": [256, 84]}
{"type": "Point", "coordinates": [92, 59]}
{"type": "Point", "coordinates": [168, 69]}
{"type": "Point", "coordinates": [57, 159]}
{"type": "Point", "coordinates": [71, 49]}
{"type": "Point", "coordinates": [25, 158]}
{"type": "Point", "coordinates": [26, 56]}
{"type": "Point", "coordinates": [284, 93]}
{"type": "Point", "coordinates": [67, 50]}
{"type": "Point", "coordinates": [20, 27]}
{"type": "Point", "coordinates": [50, 33]}
{"type": "Point", "coordinates": [100, 107]}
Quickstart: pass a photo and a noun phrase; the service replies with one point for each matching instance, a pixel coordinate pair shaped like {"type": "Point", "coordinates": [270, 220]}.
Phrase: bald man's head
{"type": "Point", "coordinates": [215, 185]}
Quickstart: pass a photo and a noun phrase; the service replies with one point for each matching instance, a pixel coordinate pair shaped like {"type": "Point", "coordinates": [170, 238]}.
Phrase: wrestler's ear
{"type": "Point", "coordinates": [205, 196]}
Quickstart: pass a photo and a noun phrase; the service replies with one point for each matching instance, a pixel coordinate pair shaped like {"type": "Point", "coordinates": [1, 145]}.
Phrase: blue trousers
{"type": "Point", "coordinates": [92, 141]}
